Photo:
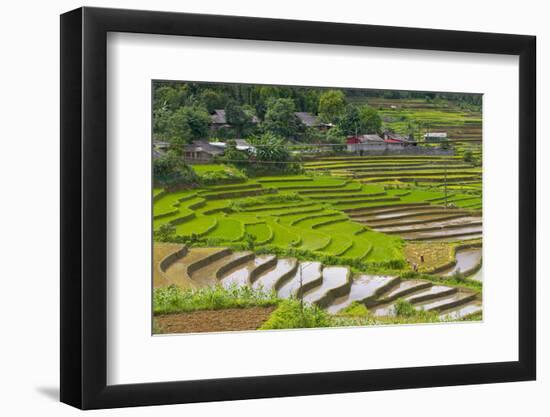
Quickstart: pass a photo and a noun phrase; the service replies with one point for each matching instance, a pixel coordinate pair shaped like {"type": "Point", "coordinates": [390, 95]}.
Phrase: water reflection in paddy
{"type": "Point", "coordinates": [362, 287]}
{"type": "Point", "coordinates": [269, 279]}
{"type": "Point", "coordinates": [240, 275]}
{"type": "Point", "coordinates": [466, 259]}
{"type": "Point", "coordinates": [310, 271]}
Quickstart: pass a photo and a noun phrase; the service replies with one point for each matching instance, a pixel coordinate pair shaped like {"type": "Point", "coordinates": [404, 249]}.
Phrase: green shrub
{"type": "Point", "coordinates": [165, 233]}
{"type": "Point", "coordinates": [225, 176]}
{"type": "Point", "coordinates": [291, 315]}
{"type": "Point", "coordinates": [243, 203]}
{"type": "Point", "coordinates": [233, 156]}
{"type": "Point", "coordinates": [169, 170]}
{"type": "Point", "coordinates": [404, 308]}
{"type": "Point", "coordinates": [355, 309]}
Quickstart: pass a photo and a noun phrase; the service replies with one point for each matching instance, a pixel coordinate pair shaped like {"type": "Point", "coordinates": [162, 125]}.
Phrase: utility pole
{"type": "Point", "coordinates": [427, 131]}
{"type": "Point", "coordinates": [301, 292]}
{"type": "Point", "coordinates": [356, 138]}
{"type": "Point", "coordinates": [445, 186]}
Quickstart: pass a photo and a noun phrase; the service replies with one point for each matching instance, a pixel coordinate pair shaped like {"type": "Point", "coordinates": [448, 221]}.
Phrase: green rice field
{"type": "Point", "coordinates": [313, 212]}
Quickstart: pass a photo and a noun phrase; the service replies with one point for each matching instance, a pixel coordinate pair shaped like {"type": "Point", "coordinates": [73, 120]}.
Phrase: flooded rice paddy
{"type": "Point", "coordinates": [334, 277]}
{"type": "Point", "coordinates": [333, 288]}
{"type": "Point", "coordinates": [240, 275]}
{"type": "Point", "coordinates": [268, 280]}
{"type": "Point", "coordinates": [363, 287]}
{"type": "Point", "coordinates": [306, 275]}
{"type": "Point", "coordinates": [466, 261]}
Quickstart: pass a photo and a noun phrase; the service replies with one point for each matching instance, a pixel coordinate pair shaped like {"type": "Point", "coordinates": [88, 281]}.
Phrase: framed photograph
{"type": "Point", "coordinates": [257, 208]}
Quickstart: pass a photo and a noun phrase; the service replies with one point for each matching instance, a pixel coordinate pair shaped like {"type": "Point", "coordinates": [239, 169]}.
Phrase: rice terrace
{"type": "Point", "coordinates": [281, 207]}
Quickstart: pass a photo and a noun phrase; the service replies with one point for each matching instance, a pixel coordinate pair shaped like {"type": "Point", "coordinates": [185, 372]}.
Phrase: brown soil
{"type": "Point", "coordinates": [213, 320]}
{"type": "Point", "coordinates": [436, 255]}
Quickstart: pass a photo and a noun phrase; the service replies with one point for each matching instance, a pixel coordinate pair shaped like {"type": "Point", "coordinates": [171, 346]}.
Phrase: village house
{"type": "Point", "coordinates": [218, 120]}
{"type": "Point", "coordinates": [361, 143]}
{"type": "Point", "coordinates": [310, 120]}
{"type": "Point", "coordinates": [435, 137]}
{"type": "Point", "coordinates": [159, 148]}
{"type": "Point", "coordinates": [372, 143]}
{"type": "Point", "coordinates": [397, 139]}
{"type": "Point", "coordinates": [240, 144]}
{"type": "Point", "coordinates": [201, 151]}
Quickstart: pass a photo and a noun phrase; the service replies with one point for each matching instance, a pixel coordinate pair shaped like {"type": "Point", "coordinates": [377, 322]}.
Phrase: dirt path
{"type": "Point", "coordinates": [213, 320]}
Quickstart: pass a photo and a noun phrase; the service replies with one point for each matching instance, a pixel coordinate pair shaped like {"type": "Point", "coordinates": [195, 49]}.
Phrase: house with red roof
{"type": "Point", "coordinates": [397, 140]}
{"type": "Point", "coordinates": [361, 143]}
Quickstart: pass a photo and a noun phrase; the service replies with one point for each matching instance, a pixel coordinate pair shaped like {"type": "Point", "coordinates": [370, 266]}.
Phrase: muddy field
{"type": "Point", "coordinates": [213, 320]}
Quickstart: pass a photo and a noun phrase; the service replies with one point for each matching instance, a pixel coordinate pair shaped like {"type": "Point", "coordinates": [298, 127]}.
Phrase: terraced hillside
{"type": "Point", "coordinates": [333, 288]}
{"type": "Point", "coordinates": [418, 170]}
{"type": "Point", "coordinates": [319, 214]}
{"type": "Point", "coordinates": [463, 125]}
{"type": "Point", "coordinates": [458, 122]}
{"type": "Point", "coordinates": [421, 221]}
{"type": "Point", "coordinates": [461, 179]}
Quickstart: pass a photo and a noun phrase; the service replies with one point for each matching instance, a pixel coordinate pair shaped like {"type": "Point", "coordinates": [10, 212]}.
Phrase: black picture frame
{"type": "Point", "coordinates": [84, 207]}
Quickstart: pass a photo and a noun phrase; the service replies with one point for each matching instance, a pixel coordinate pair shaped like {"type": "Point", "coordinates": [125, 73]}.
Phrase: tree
{"type": "Point", "coordinates": [313, 135]}
{"type": "Point", "coordinates": [360, 120]}
{"type": "Point", "coordinates": [306, 99]}
{"type": "Point", "coordinates": [172, 127]}
{"type": "Point", "coordinates": [370, 120]}
{"type": "Point", "coordinates": [170, 170]}
{"type": "Point", "coordinates": [270, 148]}
{"type": "Point", "coordinates": [212, 100]}
{"type": "Point", "coordinates": [272, 155]}
{"type": "Point", "coordinates": [280, 119]}
{"type": "Point", "coordinates": [170, 97]}
{"type": "Point", "coordinates": [192, 119]}
{"type": "Point", "coordinates": [178, 142]}
{"type": "Point", "coordinates": [237, 117]}
{"type": "Point", "coordinates": [336, 136]}
{"type": "Point", "coordinates": [331, 106]}
{"type": "Point", "coordinates": [350, 122]}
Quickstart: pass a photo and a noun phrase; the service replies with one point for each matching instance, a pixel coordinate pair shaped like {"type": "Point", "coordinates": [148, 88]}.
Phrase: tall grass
{"type": "Point", "coordinates": [290, 314]}
{"type": "Point", "coordinates": [357, 314]}
{"type": "Point", "coordinates": [173, 299]}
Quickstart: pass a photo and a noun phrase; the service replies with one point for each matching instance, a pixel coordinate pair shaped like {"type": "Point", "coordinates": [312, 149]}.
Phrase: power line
{"type": "Point", "coordinates": [246, 161]}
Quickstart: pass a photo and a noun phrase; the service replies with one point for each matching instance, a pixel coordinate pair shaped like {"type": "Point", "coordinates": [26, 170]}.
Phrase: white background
{"type": "Point", "coordinates": [29, 221]}
{"type": "Point", "coordinates": [133, 60]}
